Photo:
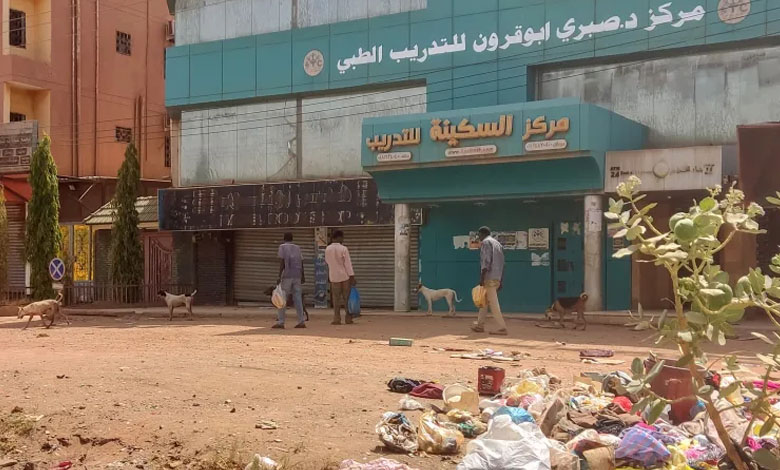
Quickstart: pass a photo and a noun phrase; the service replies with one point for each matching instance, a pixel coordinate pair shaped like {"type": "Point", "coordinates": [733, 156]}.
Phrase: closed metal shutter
{"type": "Point", "coordinates": [16, 262]}
{"type": "Point", "coordinates": [256, 264]}
{"type": "Point", "coordinates": [372, 250]}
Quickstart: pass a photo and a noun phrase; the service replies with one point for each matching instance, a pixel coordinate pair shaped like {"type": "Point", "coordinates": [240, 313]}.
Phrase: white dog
{"type": "Point", "coordinates": [43, 308]}
{"type": "Point", "coordinates": [432, 295]}
{"type": "Point", "coordinates": [177, 300]}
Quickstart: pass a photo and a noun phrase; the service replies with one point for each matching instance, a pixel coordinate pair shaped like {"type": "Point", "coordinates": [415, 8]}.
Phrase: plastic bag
{"type": "Point", "coordinates": [479, 296]}
{"type": "Point", "coordinates": [507, 445]}
{"type": "Point", "coordinates": [409, 404]}
{"type": "Point", "coordinates": [353, 303]}
{"type": "Point", "coordinates": [434, 438]}
{"type": "Point", "coordinates": [261, 463]}
{"type": "Point", "coordinates": [518, 415]}
{"type": "Point", "coordinates": [279, 297]}
{"type": "Point", "coordinates": [397, 433]}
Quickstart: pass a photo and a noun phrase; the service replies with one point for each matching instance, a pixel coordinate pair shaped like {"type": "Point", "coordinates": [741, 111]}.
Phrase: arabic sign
{"type": "Point", "coordinates": [306, 204]}
{"type": "Point", "coordinates": [527, 36]}
{"type": "Point", "coordinates": [691, 168]}
{"type": "Point", "coordinates": [17, 143]}
{"type": "Point", "coordinates": [444, 130]}
{"type": "Point", "coordinates": [539, 238]}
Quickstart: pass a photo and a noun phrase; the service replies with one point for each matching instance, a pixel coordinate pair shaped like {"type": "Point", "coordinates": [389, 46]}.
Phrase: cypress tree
{"type": "Point", "coordinates": [42, 234]}
{"type": "Point", "coordinates": [3, 242]}
{"type": "Point", "coordinates": [127, 253]}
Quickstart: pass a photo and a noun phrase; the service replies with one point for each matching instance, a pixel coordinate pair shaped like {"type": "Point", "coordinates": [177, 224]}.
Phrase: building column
{"type": "Point", "coordinates": [594, 256]}
{"type": "Point", "coordinates": [402, 224]}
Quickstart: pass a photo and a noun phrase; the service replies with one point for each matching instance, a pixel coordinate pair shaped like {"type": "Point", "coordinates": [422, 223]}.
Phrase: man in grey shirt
{"type": "Point", "coordinates": [491, 259]}
{"type": "Point", "coordinates": [291, 278]}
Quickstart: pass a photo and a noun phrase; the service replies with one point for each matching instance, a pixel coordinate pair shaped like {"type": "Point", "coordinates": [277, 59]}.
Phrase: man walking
{"type": "Point", "coordinates": [291, 277]}
{"type": "Point", "coordinates": [341, 276]}
{"type": "Point", "coordinates": [491, 258]}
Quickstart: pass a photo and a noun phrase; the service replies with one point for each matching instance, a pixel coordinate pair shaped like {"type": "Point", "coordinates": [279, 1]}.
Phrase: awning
{"type": "Point", "coordinates": [16, 190]}
{"type": "Point", "coordinates": [145, 205]}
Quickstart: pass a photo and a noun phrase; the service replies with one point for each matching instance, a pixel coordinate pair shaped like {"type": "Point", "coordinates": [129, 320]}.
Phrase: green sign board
{"type": "Point", "coordinates": [469, 53]}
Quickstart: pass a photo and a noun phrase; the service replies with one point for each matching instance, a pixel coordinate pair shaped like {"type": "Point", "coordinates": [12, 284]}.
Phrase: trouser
{"type": "Point", "coordinates": [340, 293]}
{"type": "Point", "coordinates": [491, 296]}
{"type": "Point", "coordinates": [292, 286]}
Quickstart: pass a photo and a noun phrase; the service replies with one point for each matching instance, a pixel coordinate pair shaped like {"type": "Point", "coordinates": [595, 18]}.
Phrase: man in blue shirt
{"type": "Point", "coordinates": [291, 278]}
{"type": "Point", "coordinates": [491, 260]}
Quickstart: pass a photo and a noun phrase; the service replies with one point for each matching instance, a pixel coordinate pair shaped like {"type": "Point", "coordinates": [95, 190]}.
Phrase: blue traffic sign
{"type": "Point", "coordinates": [56, 269]}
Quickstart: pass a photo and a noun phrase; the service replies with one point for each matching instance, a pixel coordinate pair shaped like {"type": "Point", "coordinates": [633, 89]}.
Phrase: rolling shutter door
{"type": "Point", "coordinates": [256, 264]}
{"type": "Point", "coordinates": [16, 262]}
{"type": "Point", "coordinates": [372, 250]}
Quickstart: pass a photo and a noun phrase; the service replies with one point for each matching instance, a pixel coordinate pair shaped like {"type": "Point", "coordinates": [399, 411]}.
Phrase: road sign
{"type": "Point", "coordinates": [56, 269]}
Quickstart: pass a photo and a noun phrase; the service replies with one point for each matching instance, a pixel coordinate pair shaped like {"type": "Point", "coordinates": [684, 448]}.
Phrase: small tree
{"type": "Point", "coordinates": [127, 253]}
{"type": "Point", "coordinates": [42, 234]}
{"type": "Point", "coordinates": [3, 242]}
{"type": "Point", "coordinates": [706, 304]}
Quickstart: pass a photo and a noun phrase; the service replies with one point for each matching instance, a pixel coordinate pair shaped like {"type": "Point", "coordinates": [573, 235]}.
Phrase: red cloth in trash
{"type": "Point", "coordinates": [428, 390]}
{"type": "Point", "coordinates": [624, 403]}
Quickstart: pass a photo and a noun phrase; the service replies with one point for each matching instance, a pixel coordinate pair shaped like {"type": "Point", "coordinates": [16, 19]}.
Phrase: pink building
{"type": "Point", "coordinates": [90, 74]}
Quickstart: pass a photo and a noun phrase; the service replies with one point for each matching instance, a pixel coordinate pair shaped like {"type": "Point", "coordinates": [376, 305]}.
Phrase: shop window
{"type": "Point", "coordinates": [123, 43]}
{"type": "Point", "coordinates": [124, 134]}
{"type": "Point", "coordinates": [17, 28]}
{"type": "Point", "coordinates": [17, 117]}
{"type": "Point", "coordinates": [167, 151]}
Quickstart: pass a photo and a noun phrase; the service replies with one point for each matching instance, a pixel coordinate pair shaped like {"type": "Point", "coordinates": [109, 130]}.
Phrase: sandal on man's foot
{"type": "Point", "coordinates": [501, 332]}
{"type": "Point", "coordinates": [301, 325]}
{"type": "Point", "coordinates": [477, 329]}
{"type": "Point", "coordinates": [278, 326]}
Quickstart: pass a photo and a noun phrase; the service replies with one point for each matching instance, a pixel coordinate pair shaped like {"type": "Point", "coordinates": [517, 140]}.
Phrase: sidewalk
{"type": "Point", "coordinates": [602, 318]}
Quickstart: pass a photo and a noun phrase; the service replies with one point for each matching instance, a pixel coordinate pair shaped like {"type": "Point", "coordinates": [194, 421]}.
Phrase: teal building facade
{"type": "Point", "coordinates": [495, 112]}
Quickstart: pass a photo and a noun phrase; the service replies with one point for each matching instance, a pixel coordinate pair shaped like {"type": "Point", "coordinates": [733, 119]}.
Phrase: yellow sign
{"type": "Point", "coordinates": [386, 142]}
{"type": "Point", "coordinates": [444, 130]}
{"type": "Point", "coordinates": [539, 126]}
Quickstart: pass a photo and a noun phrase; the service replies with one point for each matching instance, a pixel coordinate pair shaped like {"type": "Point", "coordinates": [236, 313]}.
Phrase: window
{"type": "Point", "coordinates": [167, 151]}
{"type": "Point", "coordinates": [123, 134]}
{"type": "Point", "coordinates": [17, 30]}
{"type": "Point", "coordinates": [123, 43]}
{"type": "Point", "coordinates": [18, 117]}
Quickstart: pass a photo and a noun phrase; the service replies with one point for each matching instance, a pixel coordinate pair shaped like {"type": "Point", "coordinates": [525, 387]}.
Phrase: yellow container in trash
{"type": "Point", "coordinates": [479, 296]}
{"type": "Point", "coordinates": [461, 397]}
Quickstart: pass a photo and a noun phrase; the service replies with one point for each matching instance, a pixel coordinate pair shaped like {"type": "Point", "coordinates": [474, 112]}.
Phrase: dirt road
{"type": "Point", "coordinates": [145, 393]}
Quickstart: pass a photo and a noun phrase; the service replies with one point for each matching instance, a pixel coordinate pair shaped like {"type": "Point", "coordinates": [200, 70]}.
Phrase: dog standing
{"type": "Point", "coordinates": [177, 300]}
{"type": "Point", "coordinates": [290, 302]}
{"type": "Point", "coordinates": [567, 306]}
{"type": "Point", "coordinates": [432, 295]}
{"type": "Point", "coordinates": [43, 308]}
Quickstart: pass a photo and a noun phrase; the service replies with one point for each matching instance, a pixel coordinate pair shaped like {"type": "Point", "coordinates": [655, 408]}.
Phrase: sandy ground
{"type": "Point", "coordinates": [139, 392]}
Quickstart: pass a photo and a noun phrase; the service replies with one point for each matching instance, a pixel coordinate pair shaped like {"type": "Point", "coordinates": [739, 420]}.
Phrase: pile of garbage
{"type": "Point", "coordinates": [535, 423]}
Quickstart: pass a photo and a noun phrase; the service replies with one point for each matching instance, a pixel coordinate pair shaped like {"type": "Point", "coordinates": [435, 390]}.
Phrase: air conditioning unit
{"type": "Point", "coordinates": [170, 30]}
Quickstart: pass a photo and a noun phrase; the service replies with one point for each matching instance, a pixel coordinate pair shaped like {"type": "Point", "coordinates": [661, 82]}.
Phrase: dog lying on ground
{"type": "Point", "coordinates": [565, 306]}
{"type": "Point", "coordinates": [43, 308]}
{"type": "Point", "coordinates": [432, 295]}
{"type": "Point", "coordinates": [177, 300]}
{"type": "Point", "coordinates": [290, 302]}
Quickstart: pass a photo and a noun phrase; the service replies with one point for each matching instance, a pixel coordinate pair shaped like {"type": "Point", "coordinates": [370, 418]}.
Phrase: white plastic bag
{"type": "Point", "coordinates": [508, 445]}
{"type": "Point", "coordinates": [279, 297]}
{"type": "Point", "coordinates": [261, 463]}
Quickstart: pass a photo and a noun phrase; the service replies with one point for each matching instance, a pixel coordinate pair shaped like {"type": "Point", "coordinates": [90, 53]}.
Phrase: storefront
{"type": "Point", "coordinates": [245, 224]}
{"type": "Point", "coordinates": [533, 172]}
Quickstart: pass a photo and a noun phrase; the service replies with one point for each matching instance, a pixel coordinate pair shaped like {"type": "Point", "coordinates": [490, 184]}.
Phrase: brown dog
{"type": "Point", "coordinates": [43, 308]}
{"type": "Point", "coordinates": [566, 306]}
{"type": "Point", "coordinates": [290, 303]}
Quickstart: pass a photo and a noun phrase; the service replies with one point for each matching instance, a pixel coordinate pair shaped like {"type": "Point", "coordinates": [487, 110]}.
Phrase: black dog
{"type": "Point", "coordinates": [290, 303]}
